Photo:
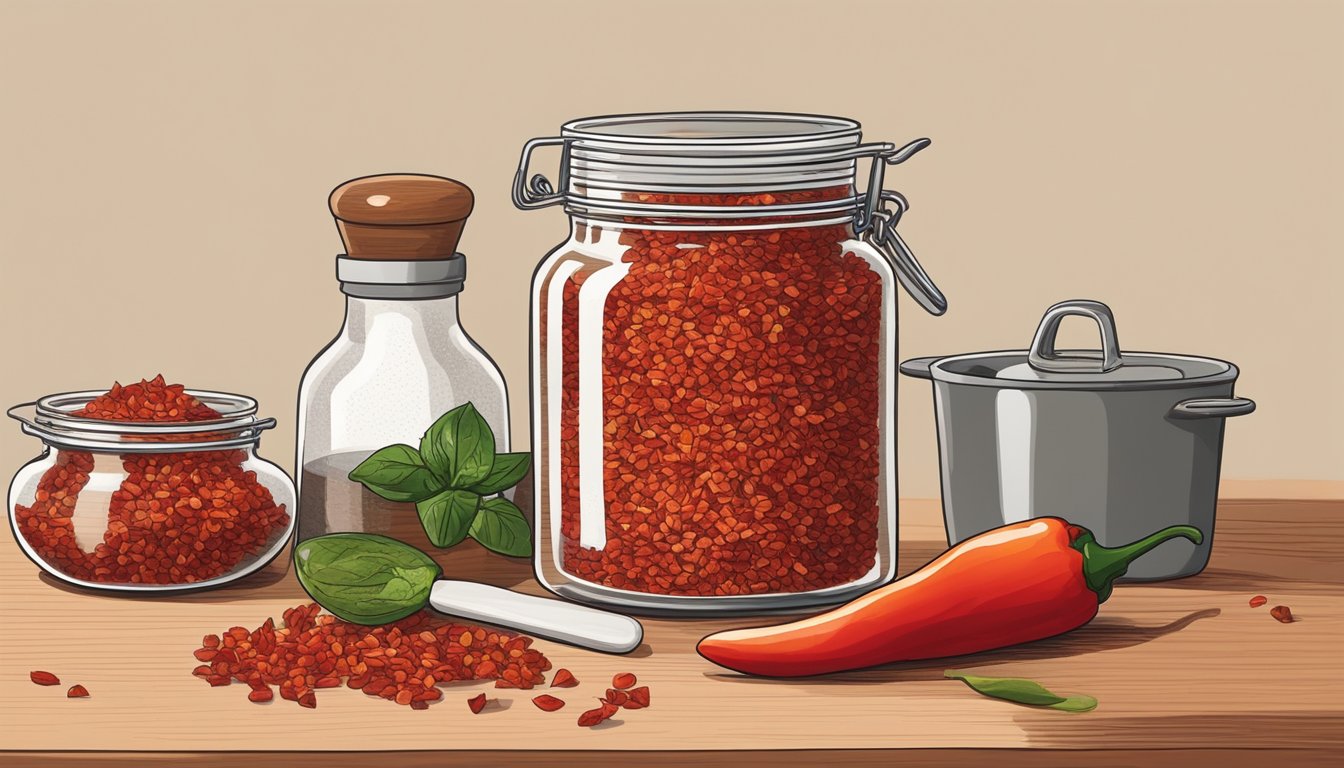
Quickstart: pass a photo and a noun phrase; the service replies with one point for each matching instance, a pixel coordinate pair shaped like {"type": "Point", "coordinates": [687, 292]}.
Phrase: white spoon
{"type": "Point", "coordinates": [552, 619]}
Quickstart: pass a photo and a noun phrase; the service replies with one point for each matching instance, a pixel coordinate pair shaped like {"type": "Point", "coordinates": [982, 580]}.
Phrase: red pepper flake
{"type": "Point", "coordinates": [402, 662]}
{"type": "Point", "coordinates": [619, 698]}
{"type": "Point", "coordinates": [595, 716]}
{"type": "Point", "coordinates": [260, 695]}
{"type": "Point", "coordinates": [1258, 601]}
{"type": "Point", "coordinates": [1282, 613]}
{"type": "Point", "coordinates": [548, 703]}
{"type": "Point", "coordinates": [624, 680]}
{"type": "Point", "coordinates": [177, 518]}
{"type": "Point", "coordinates": [43, 678]}
{"type": "Point", "coordinates": [639, 698]}
{"type": "Point", "coordinates": [564, 679]}
{"type": "Point", "coordinates": [477, 703]}
{"type": "Point", "coordinates": [77, 692]}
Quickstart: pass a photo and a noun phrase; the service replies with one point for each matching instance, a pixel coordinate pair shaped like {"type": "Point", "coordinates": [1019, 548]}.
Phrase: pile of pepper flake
{"type": "Point", "coordinates": [403, 661]}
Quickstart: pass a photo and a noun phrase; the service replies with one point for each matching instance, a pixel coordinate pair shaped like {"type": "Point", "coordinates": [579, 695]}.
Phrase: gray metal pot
{"type": "Point", "coordinates": [1121, 444]}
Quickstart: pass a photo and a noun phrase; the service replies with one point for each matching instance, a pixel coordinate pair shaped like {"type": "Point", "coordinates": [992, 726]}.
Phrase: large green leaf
{"type": "Point", "coordinates": [364, 578]}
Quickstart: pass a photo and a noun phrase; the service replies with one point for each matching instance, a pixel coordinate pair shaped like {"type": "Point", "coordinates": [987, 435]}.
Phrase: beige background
{"type": "Point", "coordinates": [166, 166]}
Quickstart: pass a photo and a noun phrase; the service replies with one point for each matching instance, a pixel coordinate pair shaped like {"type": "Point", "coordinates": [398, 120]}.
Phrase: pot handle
{"type": "Point", "coordinates": [1212, 408]}
{"type": "Point", "coordinates": [919, 367]}
{"type": "Point", "coordinates": [1043, 356]}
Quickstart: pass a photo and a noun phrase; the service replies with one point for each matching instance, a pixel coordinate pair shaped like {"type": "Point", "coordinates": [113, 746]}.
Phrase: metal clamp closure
{"type": "Point", "coordinates": [538, 192]}
{"type": "Point", "coordinates": [881, 234]}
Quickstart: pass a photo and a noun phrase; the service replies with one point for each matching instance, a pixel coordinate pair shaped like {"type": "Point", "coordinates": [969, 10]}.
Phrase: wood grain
{"type": "Point", "coordinates": [1182, 668]}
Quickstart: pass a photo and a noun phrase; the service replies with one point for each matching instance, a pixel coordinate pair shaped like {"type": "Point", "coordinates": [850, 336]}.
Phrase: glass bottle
{"type": "Point", "coordinates": [714, 360]}
{"type": "Point", "coordinates": [402, 358]}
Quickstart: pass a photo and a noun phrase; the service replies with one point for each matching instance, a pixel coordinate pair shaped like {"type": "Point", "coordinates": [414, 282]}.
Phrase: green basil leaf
{"type": "Point", "coordinates": [459, 447]}
{"type": "Point", "coordinates": [500, 526]}
{"type": "Point", "coordinates": [1021, 691]}
{"type": "Point", "coordinates": [447, 516]}
{"type": "Point", "coordinates": [363, 578]}
{"type": "Point", "coordinates": [397, 473]}
{"type": "Point", "coordinates": [509, 468]}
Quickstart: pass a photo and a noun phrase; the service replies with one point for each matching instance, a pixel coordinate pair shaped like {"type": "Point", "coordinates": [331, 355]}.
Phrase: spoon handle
{"type": "Point", "coordinates": [553, 619]}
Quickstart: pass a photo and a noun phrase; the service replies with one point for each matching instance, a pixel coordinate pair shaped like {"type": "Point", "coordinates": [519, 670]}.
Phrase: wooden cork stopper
{"type": "Point", "coordinates": [401, 216]}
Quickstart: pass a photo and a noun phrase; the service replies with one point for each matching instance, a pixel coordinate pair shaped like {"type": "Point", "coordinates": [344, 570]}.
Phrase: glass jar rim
{"type": "Point", "coordinates": [51, 418]}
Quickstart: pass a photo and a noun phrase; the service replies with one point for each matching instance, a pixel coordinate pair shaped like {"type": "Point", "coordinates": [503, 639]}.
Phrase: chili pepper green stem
{"type": "Point", "coordinates": [1103, 565]}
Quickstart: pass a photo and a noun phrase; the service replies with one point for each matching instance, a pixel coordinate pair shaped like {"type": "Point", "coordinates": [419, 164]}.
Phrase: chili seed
{"type": "Point", "coordinates": [1258, 601]}
{"type": "Point", "coordinates": [1282, 613]}
{"type": "Point", "coordinates": [77, 692]}
{"type": "Point", "coordinates": [623, 680]}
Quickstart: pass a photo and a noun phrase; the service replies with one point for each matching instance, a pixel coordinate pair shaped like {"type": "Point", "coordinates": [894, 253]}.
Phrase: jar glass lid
{"type": "Point", "coordinates": [53, 419]}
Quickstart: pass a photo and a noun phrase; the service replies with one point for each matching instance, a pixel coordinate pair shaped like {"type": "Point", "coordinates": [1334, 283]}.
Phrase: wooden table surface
{"type": "Point", "coordinates": [1186, 674]}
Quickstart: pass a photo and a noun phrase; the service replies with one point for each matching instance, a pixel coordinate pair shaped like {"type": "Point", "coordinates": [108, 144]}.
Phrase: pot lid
{"type": "Point", "coordinates": [1043, 366]}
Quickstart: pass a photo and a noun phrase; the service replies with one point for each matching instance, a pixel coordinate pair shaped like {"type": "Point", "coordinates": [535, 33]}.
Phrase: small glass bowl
{"type": "Point", "coordinates": [149, 506]}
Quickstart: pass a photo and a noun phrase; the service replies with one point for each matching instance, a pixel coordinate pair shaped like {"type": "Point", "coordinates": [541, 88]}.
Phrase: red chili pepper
{"type": "Point", "coordinates": [1015, 584]}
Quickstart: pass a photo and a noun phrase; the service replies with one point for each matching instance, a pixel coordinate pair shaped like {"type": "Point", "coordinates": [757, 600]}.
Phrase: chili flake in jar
{"type": "Point", "coordinates": [740, 393]}
{"type": "Point", "coordinates": [148, 486]}
{"type": "Point", "coordinates": [713, 367]}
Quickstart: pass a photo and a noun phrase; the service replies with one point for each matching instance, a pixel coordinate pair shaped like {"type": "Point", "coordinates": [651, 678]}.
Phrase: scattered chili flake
{"type": "Point", "coordinates": [477, 703]}
{"type": "Point", "coordinates": [260, 695]}
{"type": "Point", "coordinates": [616, 697]}
{"type": "Point", "coordinates": [739, 376]}
{"type": "Point", "coordinates": [177, 518]}
{"type": "Point", "coordinates": [1282, 613]}
{"type": "Point", "coordinates": [639, 698]}
{"type": "Point", "coordinates": [77, 692]}
{"type": "Point", "coordinates": [43, 678]}
{"type": "Point", "coordinates": [624, 680]}
{"type": "Point", "coordinates": [402, 662]}
{"type": "Point", "coordinates": [1258, 601]}
{"type": "Point", "coordinates": [563, 679]}
{"type": "Point", "coordinates": [595, 716]}
{"type": "Point", "coordinates": [548, 703]}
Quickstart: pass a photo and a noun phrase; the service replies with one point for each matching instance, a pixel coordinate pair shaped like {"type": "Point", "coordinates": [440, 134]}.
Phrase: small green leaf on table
{"type": "Point", "coordinates": [1021, 691]}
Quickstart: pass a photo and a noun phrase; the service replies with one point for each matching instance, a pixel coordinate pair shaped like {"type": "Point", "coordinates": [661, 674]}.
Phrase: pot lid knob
{"type": "Point", "coordinates": [1043, 356]}
{"type": "Point", "coordinates": [401, 216]}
